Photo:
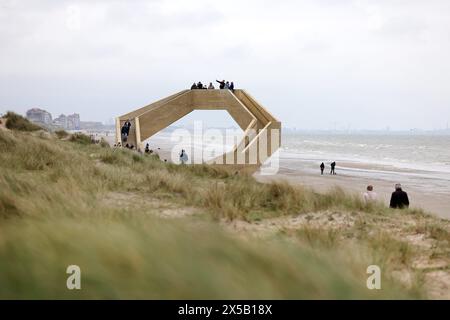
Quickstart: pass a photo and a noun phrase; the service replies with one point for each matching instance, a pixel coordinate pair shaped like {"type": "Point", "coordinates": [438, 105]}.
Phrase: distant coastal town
{"type": "Point", "coordinates": [64, 122]}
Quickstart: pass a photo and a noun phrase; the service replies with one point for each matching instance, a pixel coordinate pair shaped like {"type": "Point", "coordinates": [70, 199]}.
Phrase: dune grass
{"type": "Point", "coordinates": [17, 122]}
{"type": "Point", "coordinates": [61, 134]}
{"type": "Point", "coordinates": [56, 210]}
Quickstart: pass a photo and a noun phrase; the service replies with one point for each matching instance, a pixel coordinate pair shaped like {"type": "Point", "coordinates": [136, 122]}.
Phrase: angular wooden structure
{"type": "Point", "coordinates": [262, 132]}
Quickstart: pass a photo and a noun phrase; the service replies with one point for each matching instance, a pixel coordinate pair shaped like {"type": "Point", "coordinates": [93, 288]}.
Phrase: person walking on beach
{"type": "Point", "coordinates": [322, 167]}
{"type": "Point", "coordinates": [221, 84]}
{"type": "Point", "coordinates": [232, 86]}
{"type": "Point", "coordinates": [211, 87]}
{"type": "Point", "coordinates": [183, 157]}
{"type": "Point", "coordinates": [399, 198]}
{"type": "Point", "coordinates": [333, 166]}
{"type": "Point", "coordinates": [194, 86]}
{"type": "Point", "coordinates": [369, 196]}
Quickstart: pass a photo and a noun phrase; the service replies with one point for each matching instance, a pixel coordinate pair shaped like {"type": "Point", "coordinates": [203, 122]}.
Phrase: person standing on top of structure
{"type": "Point", "coordinates": [221, 84]}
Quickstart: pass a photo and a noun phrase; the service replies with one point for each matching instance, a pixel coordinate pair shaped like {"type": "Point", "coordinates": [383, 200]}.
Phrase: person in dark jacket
{"type": "Point", "coordinates": [333, 166]}
{"type": "Point", "coordinates": [399, 198]}
{"type": "Point", "coordinates": [127, 125]}
{"type": "Point", "coordinates": [221, 84]}
{"type": "Point", "coordinates": [232, 86]}
{"type": "Point", "coordinates": [322, 167]}
{"type": "Point", "coordinates": [124, 134]}
{"type": "Point", "coordinates": [194, 86]}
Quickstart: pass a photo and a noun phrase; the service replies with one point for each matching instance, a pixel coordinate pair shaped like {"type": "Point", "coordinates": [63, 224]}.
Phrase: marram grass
{"type": "Point", "coordinates": [61, 205]}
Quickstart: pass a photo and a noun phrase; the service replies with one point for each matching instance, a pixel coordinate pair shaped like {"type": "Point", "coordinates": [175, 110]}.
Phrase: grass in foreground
{"type": "Point", "coordinates": [70, 202]}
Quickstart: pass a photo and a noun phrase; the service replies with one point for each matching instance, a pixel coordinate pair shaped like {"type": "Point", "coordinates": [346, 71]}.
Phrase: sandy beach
{"type": "Point", "coordinates": [437, 203]}
{"type": "Point", "coordinates": [351, 176]}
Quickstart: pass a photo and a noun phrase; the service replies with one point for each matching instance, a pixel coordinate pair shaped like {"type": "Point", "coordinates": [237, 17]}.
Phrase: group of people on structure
{"type": "Point", "coordinates": [222, 85]}
{"type": "Point", "coordinates": [332, 165]}
{"type": "Point", "coordinates": [399, 198]}
{"type": "Point", "coordinates": [124, 133]}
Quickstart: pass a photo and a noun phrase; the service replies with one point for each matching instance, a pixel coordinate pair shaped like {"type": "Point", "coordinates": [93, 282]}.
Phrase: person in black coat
{"type": "Point", "coordinates": [124, 134]}
{"type": "Point", "coordinates": [221, 84]}
{"type": "Point", "coordinates": [399, 198]}
{"type": "Point", "coordinates": [127, 125]}
{"type": "Point", "coordinates": [333, 166]}
{"type": "Point", "coordinates": [322, 167]}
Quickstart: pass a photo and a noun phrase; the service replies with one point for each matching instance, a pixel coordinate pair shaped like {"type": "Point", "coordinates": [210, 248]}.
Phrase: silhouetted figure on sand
{"type": "Point", "coordinates": [194, 86]}
{"type": "Point", "coordinates": [333, 166]}
{"type": "Point", "coordinates": [232, 86]}
{"type": "Point", "coordinates": [399, 198]}
{"type": "Point", "coordinates": [211, 86]}
{"type": "Point", "coordinates": [322, 167]}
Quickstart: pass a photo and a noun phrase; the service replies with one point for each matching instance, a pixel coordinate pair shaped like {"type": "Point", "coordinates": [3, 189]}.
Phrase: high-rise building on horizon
{"type": "Point", "coordinates": [39, 116]}
{"type": "Point", "coordinates": [73, 121]}
{"type": "Point", "coordinates": [61, 121]}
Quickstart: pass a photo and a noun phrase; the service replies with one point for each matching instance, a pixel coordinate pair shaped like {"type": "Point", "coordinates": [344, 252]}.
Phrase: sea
{"type": "Point", "coordinates": [422, 160]}
{"type": "Point", "coordinates": [414, 159]}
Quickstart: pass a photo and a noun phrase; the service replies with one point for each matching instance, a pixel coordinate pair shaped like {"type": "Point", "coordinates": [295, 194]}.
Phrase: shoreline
{"type": "Point", "coordinates": [422, 196]}
{"type": "Point", "coordinates": [435, 203]}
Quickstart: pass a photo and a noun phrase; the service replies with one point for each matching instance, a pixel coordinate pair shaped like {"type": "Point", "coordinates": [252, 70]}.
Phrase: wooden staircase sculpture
{"type": "Point", "coordinates": [262, 132]}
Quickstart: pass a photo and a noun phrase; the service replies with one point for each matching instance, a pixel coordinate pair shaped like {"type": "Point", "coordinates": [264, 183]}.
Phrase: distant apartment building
{"type": "Point", "coordinates": [60, 122]}
{"type": "Point", "coordinates": [39, 116]}
{"type": "Point", "coordinates": [70, 122]}
{"type": "Point", "coordinates": [73, 121]}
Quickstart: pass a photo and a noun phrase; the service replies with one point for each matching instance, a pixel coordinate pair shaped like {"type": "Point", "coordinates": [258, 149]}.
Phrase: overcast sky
{"type": "Point", "coordinates": [315, 64]}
